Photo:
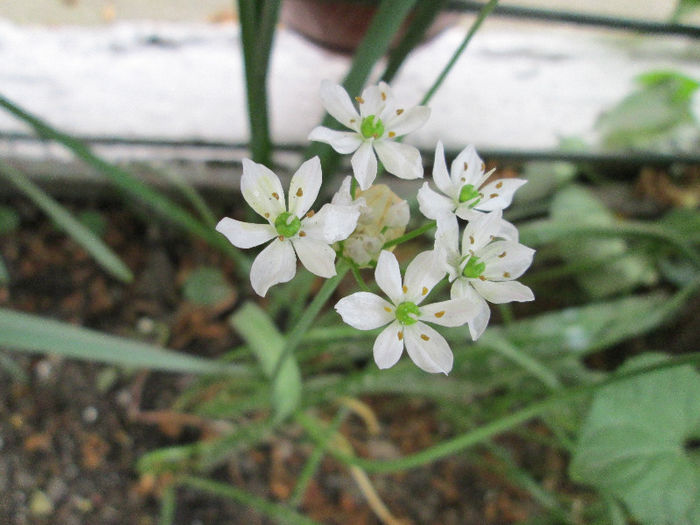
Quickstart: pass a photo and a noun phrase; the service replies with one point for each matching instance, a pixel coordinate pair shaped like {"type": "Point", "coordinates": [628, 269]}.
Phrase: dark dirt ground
{"type": "Point", "coordinates": [70, 433]}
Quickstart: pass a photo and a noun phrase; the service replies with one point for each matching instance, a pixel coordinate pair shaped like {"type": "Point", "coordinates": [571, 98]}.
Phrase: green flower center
{"type": "Point", "coordinates": [407, 313]}
{"type": "Point", "coordinates": [287, 224]}
{"type": "Point", "coordinates": [372, 127]}
{"type": "Point", "coordinates": [473, 268]}
{"type": "Point", "coordinates": [467, 193]}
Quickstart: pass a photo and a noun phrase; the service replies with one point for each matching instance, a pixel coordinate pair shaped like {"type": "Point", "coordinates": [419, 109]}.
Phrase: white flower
{"type": "Point", "coordinates": [374, 129]}
{"type": "Point", "coordinates": [463, 189]}
{"type": "Point", "coordinates": [294, 229]}
{"type": "Point", "coordinates": [486, 268]}
{"type": "Point", "coordinates": [426, 347]}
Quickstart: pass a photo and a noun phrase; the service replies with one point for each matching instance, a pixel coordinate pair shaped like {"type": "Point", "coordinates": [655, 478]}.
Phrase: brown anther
{"type": "Point", "coordinates": [405, 290]}
{"type": "Point", "coordinates": [493, 195]}
{"type": "Point", "coordinates": [471, 239]}
{"type": "Point", "coordinates": [267, 215]}
{"type": "Point", "coordinates": [310, 213]}
{"type": "Point", "coordinates": [281, 237]}
{"type": "Point", "coordinates": [424, 291]}
{"type": "Point", "coordinates": [352, 121]}
{"type": "Point", "coordinates": [392, 134]}
{"type": "Point", "coordinates": [275, 195]}
{"type": "Point", "coordinates": [387, 309]}
{"type": "Point", "coordinates": [399, 335]}
{"type": "Point", "coordinates": [506, 275]}
{"type": "Point", "coordinates": [360, 100]}
{"type": "Point", "coordinates": [466, 166]}
{"type": "Point", "coordinates": [482, 277]}
{"type": "Point", "coordinates": [499, 185]}
{"type": "Point", "coordinates": [399, 111]}
{"type": "Point", "coordinates": [424, 337]}
{"type": "Point", "coordinates": [302, 234]}
{"type": "Point", "coordinates": [502, 255]}
{"type": "Point", "coordinates": [440, 313]}
{"type": "Point", "coordinates": [300, 192]}
{"type": "Point", "coordinates": [483, 167]}
{"type": "Point", "coordinates": [463, 179]}
{"type": "Point", "coordinates": [383, 96]}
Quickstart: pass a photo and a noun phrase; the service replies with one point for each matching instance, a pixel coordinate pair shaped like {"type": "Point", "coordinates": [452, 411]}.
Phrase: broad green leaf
{"type": "Point", "coordinates": [636, 443]}
{"type": "Point", "coordinates": [657, 114]}
{"type": "Point", "coordinates": [32, 333]}
{"type": "Point", "coordinates": [626, 269]}
{"type": "Point", "coordinates": [9, 220]}
{"type": "Point", "coordinates": [207, 286]}
{"type": "Point", "coordinates": [263, 338]}
{"type": "Point", "coordinates": [69, 224]}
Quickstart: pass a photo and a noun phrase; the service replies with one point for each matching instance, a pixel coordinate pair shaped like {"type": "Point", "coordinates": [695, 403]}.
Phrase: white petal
{"type": "Point", "coordinates": [440, 173]}
{"type": "Point", "coordinates": [505, 260]}
{"type": "Point", "coordinates": [365, 311]}
{"type": "Point", "coordinates": [343, 197]}
{"type": "Point", "coordinates": [506, 230]}
{"type": "Point", "coordinates": [399, 159]}
{"type": "Point", "coordinates": [482, 228]}
{"type": "Point", "coordinates": [341, 141]}
{"type": "Point", "coordinates": [467, 168]}
{"type": "Point", "coordinates": [447, 234]}
{"type": "Point", "coordinates": [316, 256]}
{"type": "Point", "coordinates": [503, 291]}
{"type": "Point", "coordinates": [303, 189]}
{"type": "Point", "coordinates": [338, 104]}
{"type": "Point", "coordinates": [373, 101]}
{"type": "Point", "coordinates": [462, 289]}
{"type": "Point", "coordinates": [498, 194]}
{"type": "Point", "coordinates": [364, 165]}
{"type": "Point", "coordinates": [275, 264]}
{"type": "Point", "coordinates": [453, 312]}
{"type": "Point", "coordinates": [408, 121]}
{"type": "Point", "coordinates": [427, 348]}
{"type": "Point", "coordinates": [245, 234]}
{"type": "Point", "coordinates": [388, 347]}
{"type": "Point", "coordinates": [432, 204]}
{"type": "Point", "coordinates": [262, 190]}
{"type": "Point", "coordinates": [423, 272]}
{"type": "Point", "coordinates": [388, 276]}
{"type": "Point", "coordinates": [332, 223]}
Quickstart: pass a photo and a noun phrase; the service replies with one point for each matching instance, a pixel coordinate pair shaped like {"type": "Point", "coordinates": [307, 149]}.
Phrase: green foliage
{"type": "Point", "coordinates": [615, 268]}
{"type": "Point", "coordinates": [684, 7]}
{"type": "Point", "coordinates": [639, 443]}
{"type": "Point", "coordinates": [207, 286]}
{"type": "Point", "coordinates": [265, 341]}
{"type": "Point", "coordinates": [657, 114]}
{"type": "Point", "coordinates": [9, 220]}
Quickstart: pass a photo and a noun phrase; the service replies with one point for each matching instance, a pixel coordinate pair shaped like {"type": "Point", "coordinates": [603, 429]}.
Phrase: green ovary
{"type": "Point", "coordinates": [372, 127]}
{"type": "Point", "coordinates": [467, 193]}
{"type": "Point", "coordinates": [407, 313]}
{"type": "Point", "coordinates": [473, 268]}
{"type": "Point", "coordinates": [287, 224]}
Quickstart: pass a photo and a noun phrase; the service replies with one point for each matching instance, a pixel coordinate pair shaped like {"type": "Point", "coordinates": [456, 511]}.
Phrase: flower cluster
{"type": "Point", "coordinates": [482, 263]}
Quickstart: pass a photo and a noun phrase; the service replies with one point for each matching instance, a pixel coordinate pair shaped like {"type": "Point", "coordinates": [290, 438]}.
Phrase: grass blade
{"type": "Point", "coordinates": [32, 333]}
{"type": "Point", "coordinates": [104, 256]}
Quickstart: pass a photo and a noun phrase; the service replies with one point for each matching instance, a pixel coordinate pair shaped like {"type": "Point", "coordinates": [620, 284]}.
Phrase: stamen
{"type": "Point", "coordinates": [424, 337]}
{"type": "Point", "coordinates": [387, 309]}
{"type": "Point", "coordinates": [392, 134]}
{"type": "Point", "coordinates": [499, 185]}
{"type": "Point", "coordinates": [275, 196]}
{"type": "Point", "coordinates": [502, 255]}
{"type": "Point", "coordinates": [399, 335]}
{"type": "Point", "coordinates": [483, 167]}
{"type": "Point", "coordinates": [267, 215]}
{"type": "Point", "coordinates": [360, 100]}
{"type": "Point", "coordinates": [463, 179]}
{"type": "Point", "coordinates": [506, 275]}
{"type": "Point", "coordinates": [424, 291]}
{"type": "Point", "coordinates": [482, 277]}
{"type": "Point", "coordinates": [405, 290]}
{"type": "Point", "coordinates": [352, 120]}
{"type": "Point", "coordinates": [399, 111]}
{"type": "Point", "coordinates": [281, 237]}
{"type": "Point", "coordinates": [310, 213]}
{"type": "Point", "coordinates": [466, 166]}
{"type": "Point", "coordinates": [471, 239]}
{"type": "Point", "coordinates": [383, 96]}
{"type": "Point", "coordinates": [300, 192]}
{"type": "Point", "coordinates": [440, 313]}
{"type": "Point", "coordinates": [493, 195]}
{"type": "Point", "coordinates": [302, 234]}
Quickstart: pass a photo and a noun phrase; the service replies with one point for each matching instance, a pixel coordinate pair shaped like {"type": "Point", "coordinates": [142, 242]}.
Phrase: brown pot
{"type": "Point", "coordinates": [338, 24]}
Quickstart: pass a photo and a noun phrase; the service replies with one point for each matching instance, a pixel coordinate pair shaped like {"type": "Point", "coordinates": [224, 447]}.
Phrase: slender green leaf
{"type": "Point", "coordinates": [275, 511]}
{"type": "Point", "coordinates": [263, 338]}
{"type": "Point", "coordinates": [31, 333]}
{"type": "Point", "coordinates": [168, 506]}
{"type": "Point", "coordinates": [65, 221]}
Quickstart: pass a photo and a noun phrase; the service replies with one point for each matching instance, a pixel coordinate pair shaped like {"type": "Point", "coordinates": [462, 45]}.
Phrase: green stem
{"type": "Point", "coordinates": [297, 333]}
{"type": "Point", "coordinates": [410, 235]}
{"type": "Point", "coordinates": [485, 11]}
{"type": "Point", "coordinates": [485, 432]}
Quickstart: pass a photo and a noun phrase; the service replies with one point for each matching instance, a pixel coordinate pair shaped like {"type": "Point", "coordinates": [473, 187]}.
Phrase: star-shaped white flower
{"type": "Point", "coordinates": [405, 315]}
{"type": "Point", "coordinates": [374, 129]}
{"type": "Point", "coordinates": [463, 191]}
{"type": "Point", "coordinates": [294, 229]}
{"type": "Point", "coordinates": [486, 267]}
